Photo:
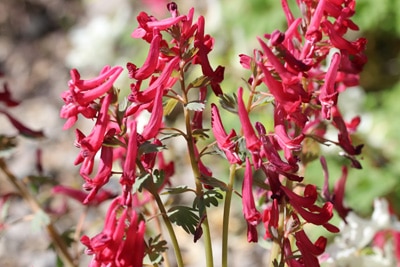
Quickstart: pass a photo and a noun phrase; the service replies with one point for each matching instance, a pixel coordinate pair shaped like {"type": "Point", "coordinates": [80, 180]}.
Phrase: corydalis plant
{"type": "Point", "coordinates": [302, 70]}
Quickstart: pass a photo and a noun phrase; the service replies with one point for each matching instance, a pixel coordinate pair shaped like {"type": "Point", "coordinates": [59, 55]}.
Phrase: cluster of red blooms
{"type": "Point", "coordinates": [305, 96]}
{"type": "Point", "coordinates": [290, 64]}
{"type": "Point", "coordinates": [116, 137]}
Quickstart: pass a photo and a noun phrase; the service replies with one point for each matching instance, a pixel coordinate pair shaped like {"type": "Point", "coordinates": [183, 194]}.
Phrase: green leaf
{"type": "Point", "coordinates": [120, 114]}
{"type": "Point", "coordinates": [141, 181]}
{"type": "Point", "coordinates": [200, 133]}
{"type": "Point", "coordinates": [199, 82]}
{"type": "Point", "coordinates": [184, 217]}
{"type": "Point", "coordinates": [155, 249]}
{"type": "Point", "coordinates": [195, 106]}
{"type": "Point", "coordinates": [158, 178]}
{"type": "Point", "coordinates": [229, 102]}
{"type": "Point", "coordinates": [177, 190]}
{"type": "Point", "coordinates": [211, 197]}
{"type": "Point", "coordinates": [169, 107]}
{"type": "Point", "coordinates": [148, 147]}
{"type": "Point", "coordinates": [190, 53]}
{"type": "Point", "coordinates": [169, 135]}
{"type": "Point", "coordinates": [113, 142]}
{"type": "Point", "coordinates": [213, 182]}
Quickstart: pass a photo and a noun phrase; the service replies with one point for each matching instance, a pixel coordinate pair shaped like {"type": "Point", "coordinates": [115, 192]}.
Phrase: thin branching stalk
{"type": "Point", "coordinates": [58, 242]}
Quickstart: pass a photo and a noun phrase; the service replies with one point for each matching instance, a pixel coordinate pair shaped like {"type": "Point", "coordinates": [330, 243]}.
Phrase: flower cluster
{"type": "Point", "coordinates": [304, 69]}
{"type": "Point", "coordinates": [116, 136]}
{"type": "Point", "coordinates": [300, 72]}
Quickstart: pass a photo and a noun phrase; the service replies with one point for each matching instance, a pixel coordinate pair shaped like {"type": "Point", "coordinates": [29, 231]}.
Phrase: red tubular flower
{"type": "Point", "coordinates": [160, 83]}
{"type": "Point", "coordinates": [305, 244]}
{"type": "Point", "coordinates": [22, 129]}
{"type": "Point", "coordinates": [129, 172]}
{"type": "Point", "coordinates": [102, 176]}
{"type": "Point", "coordinates": [85, 91]}
{"type": "Point", "coordinates": [252, 141]}
{"type": "Point", "coordinates": [82, 93]}
{"type": "Point", "coordinates": [338, 195]}
{"type": "Point", "coordinates": [6, 98]}
{"type": "Point", "coordinates": [92, 143]}
{"type": "Point", "coordinates": [344, 137]}
{"type": "Point", "coordinates": [81, 196]}
{"type": "Point", "coordinates": [165, 23]}
{"type": "Point", "coordinates": [306, 201]}
{"type": "Point", "coordinates": [271, 219]}
{"type": "Point", "coordinates": [151, 129]}
{"type": "Point", "coordinates": [328, 93]}
{"type": "Point", "coordinates": [121, 241]}
{"type": "Point", "coordinates": [281, 133]}
{"type": "Point", "coordinates": [250, 212]}
{"type": "Point", "coordinates": [315, 21]}
{"type": "Point", "coordinates": [224, 140]}
{"type": "Point", "coordinates": [287, 77]}
{"type": "Point", "coordinates": [270, 152]}
{"type": "Point", "coordinates": [309, 251]}
{"type": "Point", "coordinates": [151, 61]}
{"type": "Point", "coordinates": [308, 210]}
{"type": "Point", "coordinates": [339, 42]}
{"type": "Point", "coordinates": [204, 45]}
{"type": "Point", "coordinates": [143, 31]}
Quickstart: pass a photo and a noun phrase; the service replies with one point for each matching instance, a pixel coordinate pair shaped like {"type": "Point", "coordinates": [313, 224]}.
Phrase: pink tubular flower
{"type": "Point", "coordinates": [6, 97]}
{"type": "Point", "coordinates": [344, 136]}
{"type": "Point", "coordinates": [129, 171]}
{"type": "Point", "coordinates": [287, 77]}
{"type": "Point", "coordinates": [328, 93]}
{"type": "Point", "coordinates": [22, 129]}
{"type": "Point", "coordinates": [149, 94]}
{"type": "Point", "coordinates": [337, 197]}
{"type": "Point", "coordinates": [81, 196]}
{"type": "Point", "coordinates": [91, 144]}
{"type": "Point", "coordinates": [306, 208]}
{"type": "Point", "coordinates": [121, 241]}
{"type": "Point", "coordinates": [270, 219]}
{"type": "Point", "coordinates": [155, 121]}
{"type": "Point", "coordinates": [82, 93]}
{"type": "Point", "coordinates": [252, 141]}
{"type": "Point", "coordinates": [151, 61]}
{"type": "Point", "coordinates": [309, 251]}
{"type": "Point", "coordinates": [102, 176]}
{"type": "Point", "coordinates": [224, 140]}
{"type": "Point", "coordinates": [251, 214]}
{"type": "Point", "coordinates": [204, 44]}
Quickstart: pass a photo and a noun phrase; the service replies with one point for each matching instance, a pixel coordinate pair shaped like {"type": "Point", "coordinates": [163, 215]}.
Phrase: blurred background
{"type": "Point", "coordinates": [41, 40]}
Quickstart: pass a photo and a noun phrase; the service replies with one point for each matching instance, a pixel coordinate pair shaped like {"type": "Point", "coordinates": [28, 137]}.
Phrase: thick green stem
{"type": "Point", "coordinates": [170, 229]}
{"type": "Point", "coordinates": [227, 208]}
{"type": "Point", "coordinates": [58, 242]}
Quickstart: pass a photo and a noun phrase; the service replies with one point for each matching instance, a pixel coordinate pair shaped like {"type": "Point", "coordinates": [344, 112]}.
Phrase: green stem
{"type": "Point", "coordinates": [190, 140]}
{"type": "Point", "coordinates": [199, 188]}
{"type": "Point", "coordinates": [170, 229]}
{"type": "Point", "coordinates": [227, 207]}
{"type": "Point", "coordinates": [58, 242]}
